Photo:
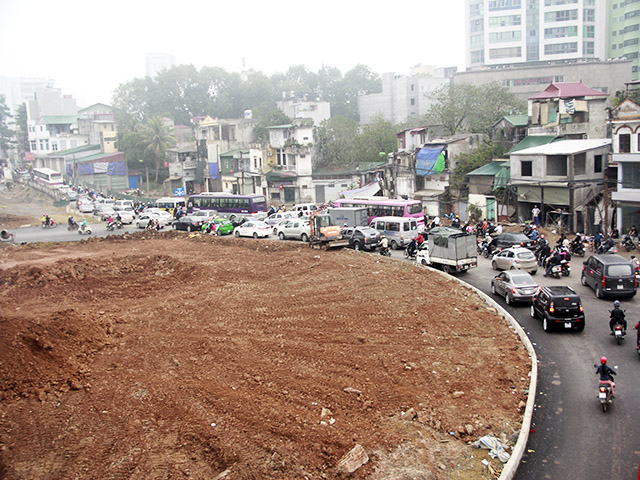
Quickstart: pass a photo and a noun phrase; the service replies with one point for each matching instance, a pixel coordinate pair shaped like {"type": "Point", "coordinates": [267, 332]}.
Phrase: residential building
{"type": "Point", "coordinates": [98, 122]}
{"type": "Point", "coordinates": [185, 171]}
{"type": "Point", "coordinates": [402, 97]}
{"type": "Point", "coordinates": [412, 138]}
{"type": "Point", "coordinates": [568, 110]}
{"type": "Point", "coordinates": [484, 184]}
{"type": "Point", "coordinates": [625, 123]}
{"type": "Point", "coordinates": [52, 122]}
{"type": "Point", "coordinates": [294, 107]}
{"type": "Point", "coordinates": [510, 130]}
{"type": "Point", "coordinates": [624, 32]}
{"type": "Point", "coordinates": [157, 62]}
{"type": "Point", "coordinates": [503, 32]}
{"type": "Point", "coordinates": [563, 177]}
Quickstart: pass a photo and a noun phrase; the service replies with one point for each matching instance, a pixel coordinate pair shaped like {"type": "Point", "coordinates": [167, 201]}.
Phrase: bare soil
{"type": "Point", "coordinates": [167, 356]}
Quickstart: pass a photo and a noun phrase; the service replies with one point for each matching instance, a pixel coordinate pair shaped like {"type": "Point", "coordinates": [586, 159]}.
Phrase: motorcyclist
{"type": "Point", "coordinates": [617, 317]}
{"type": "Point", "coordinates": [554, 260]}
{"type": "Point", "coordinates": [109, 221]}
{"type": "Point", "coordinates": [46, 220]}
{"type": "Point", "coordinates": [576, 243]}
{"type": "Point", "coordinates": [72, 223]}
{"type": "Point", "coordinates": [412, 247]}
{"type": "Point", "coordinates": [608, 243]}
{"type": "Point", "coordinates": [635, 263]}
{"type": "Point", "coordinates": [384, 245]}
{"type": "Point", "coordinates": [83, 224]}
{"type": "Point", "coordinates": [118, 219]}
{"type": "Point", "coordinates": [534, 233]}
{"type": "Point", "coordinates": [606, 374]}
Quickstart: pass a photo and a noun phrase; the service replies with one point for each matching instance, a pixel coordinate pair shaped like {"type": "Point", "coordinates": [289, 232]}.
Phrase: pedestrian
{"type": "Point", "coordinates": [535, 212]}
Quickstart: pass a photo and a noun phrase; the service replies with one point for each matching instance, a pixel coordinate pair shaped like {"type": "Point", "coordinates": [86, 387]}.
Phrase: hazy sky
{"type": "Point", "coordinates": [90, 47]}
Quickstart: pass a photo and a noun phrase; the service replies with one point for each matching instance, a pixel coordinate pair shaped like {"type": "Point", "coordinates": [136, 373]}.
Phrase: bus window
{"type": "Point", "coordinates": [415, 208]}
{"type": "Point", "coordinates": [398, 211]}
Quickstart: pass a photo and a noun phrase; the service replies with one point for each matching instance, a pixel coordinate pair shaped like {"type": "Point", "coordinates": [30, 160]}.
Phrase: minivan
{"type": "Point", "coordinates": [306, 208]}
{"type": "Point", "coordinates": [609, 275]}
{"type": "Point", "coordinates": [398, 230]}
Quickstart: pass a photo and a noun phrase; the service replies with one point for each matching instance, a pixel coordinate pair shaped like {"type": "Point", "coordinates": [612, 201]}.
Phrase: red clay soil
{"type": "Point", "coordinates": [169, 357]}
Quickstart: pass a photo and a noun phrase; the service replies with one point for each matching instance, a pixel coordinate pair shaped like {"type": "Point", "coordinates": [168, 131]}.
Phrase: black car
{"type": "Point", "coordinates": [609, 275]}
{"type": "Point", "coordinates": [362, 238]}
{"type": "Point", "coordinates": [558, 307]}
{"type": "Point", "coordinates": [506, 240]}
{"type": "Point", "coordinates": [189, 224]}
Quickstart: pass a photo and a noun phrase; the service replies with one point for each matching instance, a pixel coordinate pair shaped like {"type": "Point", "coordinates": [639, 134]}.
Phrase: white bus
{"type": "Point", "coordinates": [46, 176]}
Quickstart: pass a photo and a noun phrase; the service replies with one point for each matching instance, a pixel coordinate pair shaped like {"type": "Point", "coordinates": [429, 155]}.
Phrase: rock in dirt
{"type": "Point", "coordinates": [353, 460]}
{"type": "Point", "coordinates": [352, 390]}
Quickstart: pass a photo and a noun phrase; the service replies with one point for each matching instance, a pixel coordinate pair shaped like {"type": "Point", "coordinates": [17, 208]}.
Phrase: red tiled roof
{"type": "Point", "coordinates": [568, 90]}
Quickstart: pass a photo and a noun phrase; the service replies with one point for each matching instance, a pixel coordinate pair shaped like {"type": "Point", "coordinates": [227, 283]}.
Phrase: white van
{"type": "Point", "coordinates": [169, 204]}
{"type": "Point", "coordinates": [124, 203]}
{"type": "Point", "coordinates": [306, 208]}
{"type": "Point", "coordinates": [398, 230]}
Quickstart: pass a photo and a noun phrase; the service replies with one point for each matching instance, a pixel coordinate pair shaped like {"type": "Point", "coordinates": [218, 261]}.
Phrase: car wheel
{"type": "Point", "coordinates": [236, 233]}
{"type": "Point", "coordinates": [599, 293]}
{"type": "Point", "coordinates": [424, 262]}
{"type": "Point", "coordinates": [532, 311]}
{"type": "Point", "coordinates": [255, 235]}
{"type": "Point", "coordinates": [507, 299]}
{"type": "Point", "coordinates": [494, 265]}
{"type": "Point", "coordinates": [583, 280]}
{"type": "Point", "coordinates": [493, 288]}
{"type": "Point", "coordinates": [394, 245]}
{"type": "Point", "coordinates": [533, 272]}
{"type": "Point", "coordinates": [189, 228]}
{"type": "Point", "coordinates": [357, 246]}
{"type": "Point", "coordinates": [281, 235]}
{"type": "Point", "coordinates": [304, 237]}
{"type": "Point", "coordinates": [512, 267]}
{"type": "Point", "coordinates": [174, 226]}
{"type": "Point", "coordinates": [545, 324]}
{"type": "Point", "coordinates": [137, 224]}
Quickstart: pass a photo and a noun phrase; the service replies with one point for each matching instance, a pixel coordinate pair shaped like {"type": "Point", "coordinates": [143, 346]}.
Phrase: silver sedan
{"type": "Point", "coordinates": [514, 286]}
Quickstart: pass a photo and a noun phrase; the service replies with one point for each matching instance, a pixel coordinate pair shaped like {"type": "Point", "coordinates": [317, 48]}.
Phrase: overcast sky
{"type": "Point", "coordinates": [88, 48]}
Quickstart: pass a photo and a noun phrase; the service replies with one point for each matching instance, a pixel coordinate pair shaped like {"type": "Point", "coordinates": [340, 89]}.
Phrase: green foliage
{"type": "Point", "coordinates": [378, 136]}
{"type": "Point", "coordinates": [155, 138]}
{"type": "Point", "coordinates": [467, 108]}
{"type": "Point", "coordinates": [269, 119]}
{"type": "Point", "coordinates": [622, 95]}
{"type": "Point", "coordinates": [467, 162]}
{"type": "Point", "coordinates": [336, 141]}
{"type": "Point", "coordinates": [6, 135]}
{"type": "Point", "coordinates": [22, 130]}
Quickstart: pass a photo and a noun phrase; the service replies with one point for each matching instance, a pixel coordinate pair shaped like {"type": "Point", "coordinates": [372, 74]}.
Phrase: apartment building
{"type": "Point", "coordinates": [624, 32]}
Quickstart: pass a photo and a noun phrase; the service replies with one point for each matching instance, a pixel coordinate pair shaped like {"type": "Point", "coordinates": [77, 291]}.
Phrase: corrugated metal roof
{"type": "Point", "coordinates": [83, 148]}
{"type": "Point", "coordinates": [568, 90]}
{"type": "Point", "coordinates": [490, 168]}
{"type": "Point", "coordinates": [60, 119]}
{"type": "Point", "coordinates": [532, 141]}
{"type": "Point", "coordinates": [517, 120]}
{"type": "Point", "coordinates": [565, 147]}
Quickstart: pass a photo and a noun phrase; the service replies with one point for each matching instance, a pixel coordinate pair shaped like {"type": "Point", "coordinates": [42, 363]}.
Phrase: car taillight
{"type": "Point", "coordinates": [365, 239]}
{"type": "Point", "coordinates": [603, 282]}
{"type": "Point", "coordinates": [522, 244]}
{"type": "Point", "coordinates": [581, 309]}
{"type": "Point", "coordinates": [552, 308]}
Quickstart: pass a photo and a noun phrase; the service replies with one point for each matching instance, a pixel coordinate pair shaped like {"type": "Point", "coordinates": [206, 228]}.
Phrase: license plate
{"type": "Point", "coordinates": [556, 269]}
{"type": "Point", "coordinates": [603, 396]}
{"type": "Point", "coordinates": [567, 325]}
{"type": "Point", "coordinates": [618, 333]}
{"type": "Point", "coordinates": [620, 287]}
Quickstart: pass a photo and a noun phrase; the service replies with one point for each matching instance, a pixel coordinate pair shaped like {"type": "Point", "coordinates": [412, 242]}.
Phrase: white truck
{"type": "Point", "coordinates": [448, 249]}
{"type": "Point", "coordinates": [349, 216]}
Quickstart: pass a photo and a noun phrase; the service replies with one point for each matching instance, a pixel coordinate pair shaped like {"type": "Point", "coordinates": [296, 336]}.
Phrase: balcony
{"type": "Point", "coordinates": [189, 165]}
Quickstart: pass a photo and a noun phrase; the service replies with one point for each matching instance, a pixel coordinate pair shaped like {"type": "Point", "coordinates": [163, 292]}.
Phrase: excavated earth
{"type": "Point", "coordinates": [166, 356]}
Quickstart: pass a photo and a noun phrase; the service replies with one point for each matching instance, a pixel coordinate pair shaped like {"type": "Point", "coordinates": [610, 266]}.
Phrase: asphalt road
{"type": "Point", "coordinates": [571, 437]}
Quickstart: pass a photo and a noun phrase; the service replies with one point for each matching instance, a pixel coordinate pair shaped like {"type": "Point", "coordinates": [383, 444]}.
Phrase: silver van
{"type": "Point", "coordinates": [398, 230]}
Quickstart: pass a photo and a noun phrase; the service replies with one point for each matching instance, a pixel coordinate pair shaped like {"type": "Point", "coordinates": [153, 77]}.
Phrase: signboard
{"type": "Point", "coordinates": [179, 192]}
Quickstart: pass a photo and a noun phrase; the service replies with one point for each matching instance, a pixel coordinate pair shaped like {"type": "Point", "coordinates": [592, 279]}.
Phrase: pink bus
{"type": "Point", "coordinates": [385, 207]}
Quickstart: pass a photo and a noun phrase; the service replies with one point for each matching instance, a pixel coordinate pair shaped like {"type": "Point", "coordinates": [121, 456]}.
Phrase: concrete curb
{"type": "Point", "coordinates": [510, 468]}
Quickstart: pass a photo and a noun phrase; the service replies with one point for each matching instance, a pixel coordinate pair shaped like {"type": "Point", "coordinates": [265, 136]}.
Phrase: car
{"type": "Point", "coordinates": [254, 229]}
{"type": "Point", "coordinates": [510, 239]}
{"type": "Point", "coordinates": [104, 212]}
{"type": "Point", "coordinates": [206, 214]}
{"type": "Point", "coordinates": [72, 195]}
{"type": "Point", "coordinates": [188, 223]}
{"type": "Point", "coordinates": [558, 306]}
{"type": "Point", "coordinates": [293, 228]}
{"type": "Point", "coordinates": [278, 217]}
{"type": "Point", "coordinates": [223, 226]}
{"type": "Point", "coordinates": [126, 214]}
{"type": "Point", "coordinates": [609, 274]}
{"type": "Point", "coordinates": [124, 203]}
{"type": "Point", "coordinates": [515, 258]}
{"type": "Point", "coordinates": [514, 286]}
{"type": "Point", "coordinates": [362, 238]}
{"type": "Point", "coordinates": [306, 208]}
{"type": "Point", "coordinates": [144, 218]}
{"type": "Point", "coordinates": [85, 207]}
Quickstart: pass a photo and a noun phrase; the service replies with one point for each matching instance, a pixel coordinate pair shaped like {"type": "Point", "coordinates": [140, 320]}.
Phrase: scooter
{"type": "Point", "coordinates": [72, 226]}
{"type": "Point", "coordinates": [384, 251]}
{"type": "Point", "coordinates": [577, 249]}
{"type": "Point", "coordinates": [51, 224]}
{"type": "Point", "coordinates": [410, 254]}
{"type": "Point", "coordinates": [628, 243]}
{"type": "Point", "coordinates": [565, 268]}
{"type": "Point", "coordinates": [86, 230]}
{"type": "Point", "coordinates": [604, 394]}
{"type": "Point", "coordinates": [618, 333]}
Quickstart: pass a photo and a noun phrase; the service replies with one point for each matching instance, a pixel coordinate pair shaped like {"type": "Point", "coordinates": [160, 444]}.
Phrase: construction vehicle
{"type": "Point", "coordinates": [323, 234]}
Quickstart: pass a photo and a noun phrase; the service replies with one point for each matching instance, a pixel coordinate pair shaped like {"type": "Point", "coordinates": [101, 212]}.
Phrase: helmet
{"type": "Point", "coordinates": [603, 360]}
{"type": "Point", "coordinates": [616, 304]}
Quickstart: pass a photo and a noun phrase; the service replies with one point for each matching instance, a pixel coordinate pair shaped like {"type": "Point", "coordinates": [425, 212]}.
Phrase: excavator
{"type": "Point", "coordinates": [324, 235]}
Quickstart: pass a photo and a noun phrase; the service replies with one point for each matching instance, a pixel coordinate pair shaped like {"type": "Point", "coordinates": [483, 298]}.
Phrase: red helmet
{"type": "Point", "coordinates": [603, 360]}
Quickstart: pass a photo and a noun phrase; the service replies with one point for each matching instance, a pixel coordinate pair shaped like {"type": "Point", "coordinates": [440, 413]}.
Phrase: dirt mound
{"type": "Point", "coordinates": [159, 355]}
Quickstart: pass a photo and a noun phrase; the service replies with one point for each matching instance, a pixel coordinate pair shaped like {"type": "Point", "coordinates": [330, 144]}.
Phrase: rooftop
{"type": "Point", "coordinates": [567, 90]}
{"type": "Point", "coordinates": [565, 147]}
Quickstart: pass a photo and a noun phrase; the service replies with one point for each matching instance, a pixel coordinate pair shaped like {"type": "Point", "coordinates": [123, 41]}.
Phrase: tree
{"type": "Point", "coordinates": [378, 136]}
{"type": "Point", "coordinates": [336, 140]}
{"type": "Point", "coordinates": [270, 119]}
{"type": "Point", "coordinates": [467, 108]}
{"type": "Point", "coordinates": [465, 163]}
{"type": "Point", "coordinates": [22, 130]}
{"type": "Point", "coordinates": [6, 135]}
{"type": "Point", "coordinates": [155, 138]}
{"type": "Point", "coordinates": [360, 80]}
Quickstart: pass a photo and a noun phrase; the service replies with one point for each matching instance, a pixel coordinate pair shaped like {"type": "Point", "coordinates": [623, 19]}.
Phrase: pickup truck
{"type": "Point", "coordinates": [449, 249]}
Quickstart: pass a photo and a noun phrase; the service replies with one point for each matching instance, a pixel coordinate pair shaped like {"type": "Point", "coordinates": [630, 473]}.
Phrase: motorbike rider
{"type": "Point", "coordinates": [608, 243]}
{"type": "Point", "coordinates": [109, 221]}
{"type": "Point", "coordinates": [384, 244]}
{"type": "Point", "coordinates": [83, 225]}
{"type": "Point", "coordinates": [412, 247]}
{"type": "Point", "coordinates": [635, 263]}
{"type": "Point", "coordinates": [576, 243]}
{"type": "Point", "coordinates": [637, 328]}
{"type": "Point", "coordinates": [72, 223]}
{"type": "Point", "coordinates": [617, 317]}
{"type": "Point", "coordinates": [534, 233]}
{"type": "Point", "coordinates": [606, 374]}
{"type": "Point", "coordinates": [554, 260]}
{"type": "Point", "coordinates": [118, 219]}
{"type": "Point", "coordinates": [46, 220]}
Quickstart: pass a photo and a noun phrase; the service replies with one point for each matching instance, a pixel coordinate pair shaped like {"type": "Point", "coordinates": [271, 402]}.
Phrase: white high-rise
{"type": "Point", "coordinates": [504, 32]}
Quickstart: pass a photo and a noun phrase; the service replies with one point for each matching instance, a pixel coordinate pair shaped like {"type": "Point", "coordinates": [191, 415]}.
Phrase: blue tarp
{"type": "Point", "coordinates": [427, 160]}
{"type": "Point", "coordinates": [69, 170]}
{"type": "Point", "coordinates": [117, 168]}
{"type": "Point", "coordinates": [85, 168]}
{"type": "Point", "coordinates": [213, 170]}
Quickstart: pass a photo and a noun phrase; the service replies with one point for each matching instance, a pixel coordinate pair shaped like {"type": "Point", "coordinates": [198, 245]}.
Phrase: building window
{"type": "Point", "coordinates": [557, 165]}
{"type": "Point", "coordinates": [476, 25]}
{"type": "Point", "coordinates": [631, 175]}
{"type": "Point", "coordinates": [34, 145]}
{"type": "Point", "coordinates": [561, 32]}
{"type": "Point", "coordinates": [597, 164]}
{"type": "Point", "coordinates": [413, 87]}
{"type": "Point", "coordinates": [54, 146]}
{"type": "Point", "coordinates": [505, 21]}
{"type": "Point", "coordinates": [589, 15]}
{"type": "Point", "coordinates": [553, 3]}
{"type": "Point", "coordinates": [495, 5]}
{"type": "Point", "coordinates": [477, 57]}
{"type": "Point", "coordinates": [511, 52]}
{"type": "Point", "coordinates": [561, 16]}
{"type": "Point", "coordinates": [526, 168]}
{"type": "Point", "coordinates": [624, 143]}
{"type": "Point", "coordinates": [413, 101]}
{"type": "Point", "coordinates": [589, 31]}
{"type": "Point", "coordinates": [580, 164]}
{"type": "Point", "coordinates": [499, 37]}
{"type": "Point", "coordinates": [560, 48]}
{"type": "Point", "coordinates": [588, 48]}
{"type": "Point", "coordinates": [32, 129]}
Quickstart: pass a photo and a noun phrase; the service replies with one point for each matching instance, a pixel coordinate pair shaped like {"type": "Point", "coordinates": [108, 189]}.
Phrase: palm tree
{"type": "Point", "coordinates": [156, 138]}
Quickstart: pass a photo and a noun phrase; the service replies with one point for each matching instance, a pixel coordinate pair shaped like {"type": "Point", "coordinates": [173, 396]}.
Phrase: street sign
{"type": "Point", "coordinates": [178, 192]}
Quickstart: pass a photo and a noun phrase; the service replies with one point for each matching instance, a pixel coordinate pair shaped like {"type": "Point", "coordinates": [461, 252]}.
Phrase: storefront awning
{"type": "Point", "coordinates": [278, 175]}
{"type": "Point", "coordinates": [430, 160]}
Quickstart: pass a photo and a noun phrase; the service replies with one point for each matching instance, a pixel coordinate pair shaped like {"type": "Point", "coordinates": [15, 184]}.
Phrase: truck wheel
{"type": "Point", "coordinates": [424, 262]}
{"type": "Point", "coordinates": [357, 246]}
{"type": "Point", "coordinates": [394, 245]}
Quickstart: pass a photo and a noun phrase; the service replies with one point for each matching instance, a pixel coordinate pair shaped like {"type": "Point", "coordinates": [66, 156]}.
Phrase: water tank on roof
{"type": "Point", "coordinates": [248, 114]}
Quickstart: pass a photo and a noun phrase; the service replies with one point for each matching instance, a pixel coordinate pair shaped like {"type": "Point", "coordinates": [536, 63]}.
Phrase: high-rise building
{"type": "Point", "coordinates": [156, 62]}
{"type": "Point", "coordinates": [506, 32]}
{"type": "Point", "coordinates": [624, 32]}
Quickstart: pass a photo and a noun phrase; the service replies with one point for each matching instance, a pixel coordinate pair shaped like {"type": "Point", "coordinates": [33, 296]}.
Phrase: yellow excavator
{"type": "Point", "coordinates": [324, 235]}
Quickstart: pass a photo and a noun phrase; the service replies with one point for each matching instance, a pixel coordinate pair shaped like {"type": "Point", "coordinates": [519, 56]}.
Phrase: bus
{"type": "Point", "coordinates": [385, 207]}
{"type": "Point", "coordinates": [229, 205]}
{"type": "Point", "coordinates": [169, 204]}
{"type": "Point", "coordinates": [46, 176]}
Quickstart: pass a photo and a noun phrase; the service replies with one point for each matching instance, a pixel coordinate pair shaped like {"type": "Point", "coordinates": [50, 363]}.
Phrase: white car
{"type": "Point", "coordinates": [279, 217]}
{"type": "Point", "coordinates": [253, 229]}
{"type": "Point", "coordinates": [294, 228]}
{"type": "Point", "coordinates": [207, 214]}
{"type": "Point", "coordinates": [85, 207]}
{"type": "Point", "coordinates": [143, 219]}
{"type": "Point", "coordinates": [126, 214]}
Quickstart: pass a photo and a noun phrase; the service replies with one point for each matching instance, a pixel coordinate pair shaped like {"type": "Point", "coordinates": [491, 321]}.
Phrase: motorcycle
{"type": "Point", "coordinates": [628, 243]}
{"type": "Point", "coordinates": [483, 249]}
{"type": "Point", "coordinates": [565, 268]}
{"type": "Point", "coordinates": [51, 224]}
{"type": "Point", "coordinates": [385, 251]}
{"type": "Point", "coordinates": [577, 249]}
{"type": "Point", "coordinates": [113, 225]}
{"type": "Point", "coordinates": [618, 333]}
{"type": "Point", "coordinates": [72, 226]}
{"type": "Point", "coordinates": [604, 394]}
{"type": "Point", "coordinates": [410, 254]}
{"type": "Point", "coordinates": [85, 230]}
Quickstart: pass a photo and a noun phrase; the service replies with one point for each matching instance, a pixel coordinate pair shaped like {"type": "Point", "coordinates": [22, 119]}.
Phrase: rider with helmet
{"type": "Point", "coordinates": [617, 317]}
{"type": "Point", "coordinates": [606, 374]}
